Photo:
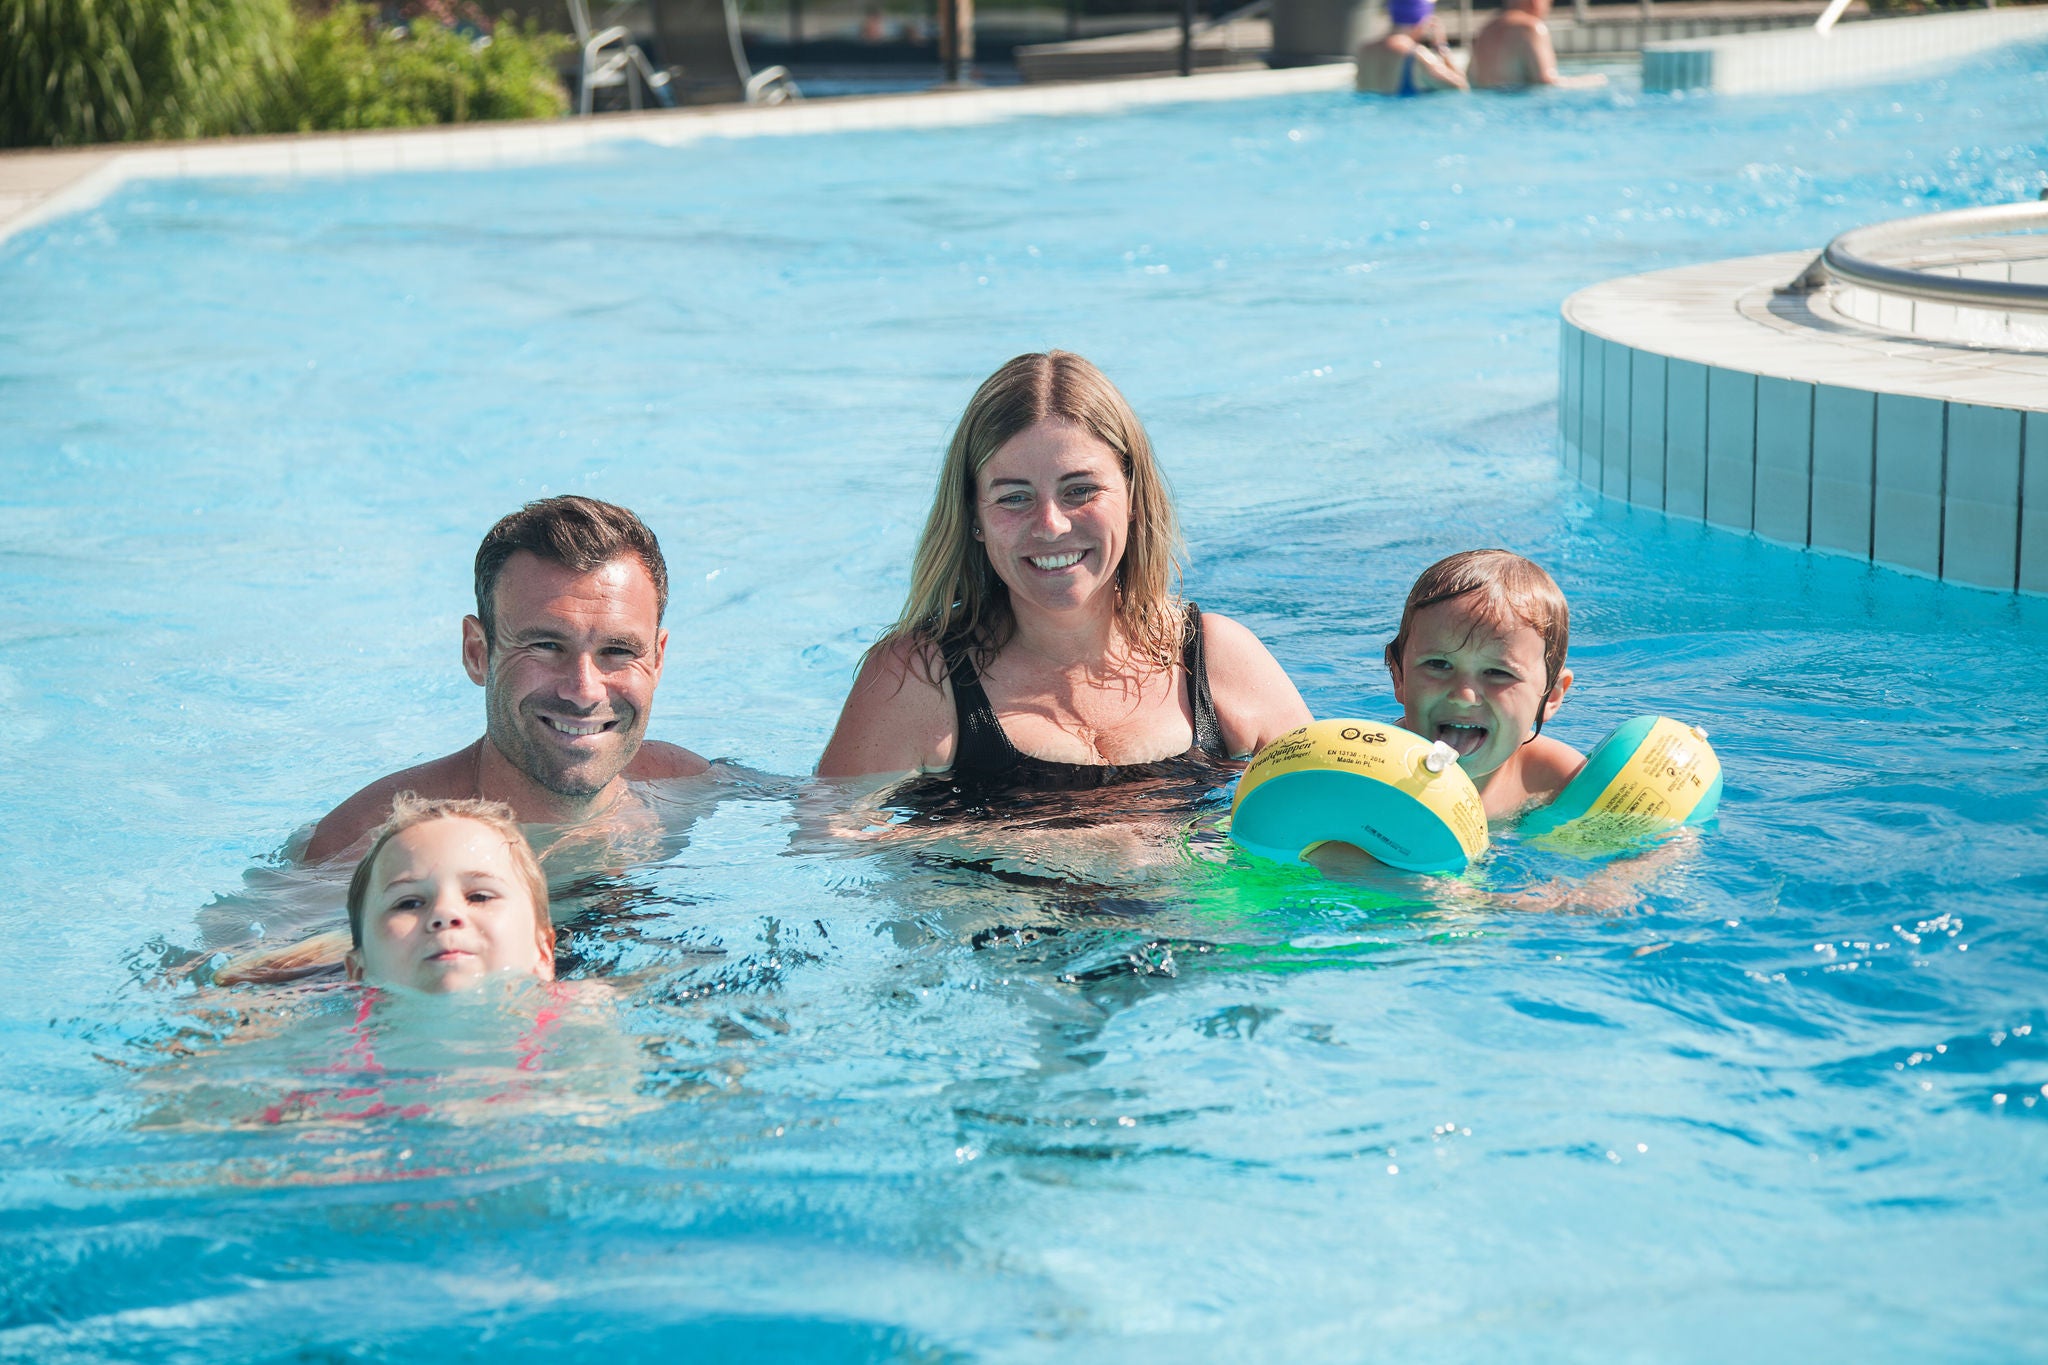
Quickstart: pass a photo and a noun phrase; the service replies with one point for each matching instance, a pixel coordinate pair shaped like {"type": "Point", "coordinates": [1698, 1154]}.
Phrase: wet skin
{"type": "Point", "coordinates": [568, 683]}
{"type": "Point", "coordinates": [446, 907]}
{"type": "Point", "coordinates": [1477, 685]}
{"type": "Point", "coordinates": [568, 675]}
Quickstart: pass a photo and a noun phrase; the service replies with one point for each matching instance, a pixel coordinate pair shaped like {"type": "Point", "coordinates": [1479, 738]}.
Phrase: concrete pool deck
{"type": "Point", "coordinates": [1815, 420]}
{"type": "Point", "coordinates": [37, 185]}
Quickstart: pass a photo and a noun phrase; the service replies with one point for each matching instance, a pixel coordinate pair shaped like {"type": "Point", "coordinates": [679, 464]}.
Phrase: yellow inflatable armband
{"type": "Point", "coordinates": [1394, 794]}
{"type": "Point", "coordinates": [1652, 774]}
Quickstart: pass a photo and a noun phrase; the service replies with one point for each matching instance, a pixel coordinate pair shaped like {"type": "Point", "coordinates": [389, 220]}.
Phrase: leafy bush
{"type": "Point", "coordinates": [76, 71]}
{"type": "Point", "coordinates": [346, 72]}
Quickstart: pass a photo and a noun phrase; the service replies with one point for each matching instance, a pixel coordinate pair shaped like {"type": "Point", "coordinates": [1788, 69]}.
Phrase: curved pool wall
{"type": "Point", "coordinates": [1042, 1094]}
{"type": "Point", "coordinates": [1821, 421]}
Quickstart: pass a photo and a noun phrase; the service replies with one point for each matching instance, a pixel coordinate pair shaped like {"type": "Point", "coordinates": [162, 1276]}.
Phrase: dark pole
{"type": "Point", "coordinates": [796, 22]}
{"type": "Point", "coordinates": [1187, 37]}
{"type": "Point", "coordinates": [956, 39]}
{"type": "Point", "coordinates": [1073, 19]}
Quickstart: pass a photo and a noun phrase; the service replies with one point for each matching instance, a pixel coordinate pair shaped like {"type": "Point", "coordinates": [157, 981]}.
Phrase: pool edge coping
{"type": "Point", "coordinates": [1713, 313]}
{"type": "Point", "coordinates": [38, 185]}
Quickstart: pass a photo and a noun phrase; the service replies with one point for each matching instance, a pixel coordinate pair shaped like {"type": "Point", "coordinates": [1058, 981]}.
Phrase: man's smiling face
{"type": "Point", "coordinates": [569, 670]}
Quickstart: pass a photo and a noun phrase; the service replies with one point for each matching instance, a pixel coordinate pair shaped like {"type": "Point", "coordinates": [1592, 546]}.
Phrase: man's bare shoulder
{"type": "Point", "coordinates": [657, 760]}
{"type": "Point", "coordinates": [344, 827]}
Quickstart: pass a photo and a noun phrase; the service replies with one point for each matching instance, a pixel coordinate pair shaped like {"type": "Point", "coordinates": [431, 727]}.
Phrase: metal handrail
{"type": "Point", "coordinates": [1241, 12]}
{"type": "Point", "coordinates": [1843, 259]}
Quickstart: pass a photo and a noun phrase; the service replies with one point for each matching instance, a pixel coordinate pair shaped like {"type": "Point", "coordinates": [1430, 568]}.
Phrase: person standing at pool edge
{"type": "Point", "coordinates": [568, 645]}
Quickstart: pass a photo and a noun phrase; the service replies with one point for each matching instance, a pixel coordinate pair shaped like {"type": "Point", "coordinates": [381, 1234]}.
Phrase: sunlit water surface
{"type": "Point", "coordinates": [1038, 1093]}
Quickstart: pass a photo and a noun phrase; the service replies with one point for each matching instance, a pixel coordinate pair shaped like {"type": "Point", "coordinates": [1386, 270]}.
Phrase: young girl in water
{"type": "Point", "coordinates": [448, 894]}
{"type": "Point", "coordinates": [1478, 663]}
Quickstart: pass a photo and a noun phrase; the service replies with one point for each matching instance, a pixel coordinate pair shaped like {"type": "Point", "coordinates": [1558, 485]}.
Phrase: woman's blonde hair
{"type": "Point", "coordinates": [956, 600]}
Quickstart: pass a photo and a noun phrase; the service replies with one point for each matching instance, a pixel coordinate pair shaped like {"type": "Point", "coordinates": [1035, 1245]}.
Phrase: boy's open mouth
{"type": "Point", "coordinates": [1466, 739]}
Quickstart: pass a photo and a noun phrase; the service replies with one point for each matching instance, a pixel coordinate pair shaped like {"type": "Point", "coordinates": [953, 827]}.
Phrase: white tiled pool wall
{"type": "Point", "coordinates": [1800, 59]}
{"type": "Point", "coordinates": [1957, 491]}
{"type": "Point", "coordinates": [1901, 316]}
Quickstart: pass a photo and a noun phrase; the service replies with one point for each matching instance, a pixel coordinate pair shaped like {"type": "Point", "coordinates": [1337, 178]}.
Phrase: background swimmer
{"type": "Point", "coordinates": [1478, 663]}
{"type": "Point", "coordinates": [1514, 51]}
{"type": "Point", "coordinates": [1411, 58]}
{"type": "Point", "coordinates": [449, 893]}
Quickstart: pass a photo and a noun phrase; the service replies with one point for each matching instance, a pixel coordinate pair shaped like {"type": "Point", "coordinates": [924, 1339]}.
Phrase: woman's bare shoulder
{"type": "Point", "coordinates": [898, 717]}
{"type": "Point", "coordinates": [1255, 699]}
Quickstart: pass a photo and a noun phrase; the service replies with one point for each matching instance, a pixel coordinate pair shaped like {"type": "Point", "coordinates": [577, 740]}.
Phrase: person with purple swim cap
{"type": "Point", "coordinates": [1410, 59]}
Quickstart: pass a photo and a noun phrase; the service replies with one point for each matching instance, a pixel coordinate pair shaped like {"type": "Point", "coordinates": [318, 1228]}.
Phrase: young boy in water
{"type": "Point", "coordinates": [448, 894]}
{"type": "Point", "coordinates": [1479, 663]}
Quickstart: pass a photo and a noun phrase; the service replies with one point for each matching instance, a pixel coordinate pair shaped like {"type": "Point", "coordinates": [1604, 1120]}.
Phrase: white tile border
{"type": "Point", "coordinates": [1796, 59]}
{"type": "Point", "coordinates": [1855, 443]}
{"type": "Point", "coordinates": [1724, 313]}
{"type": "Point", "coordinates": [41, 185]}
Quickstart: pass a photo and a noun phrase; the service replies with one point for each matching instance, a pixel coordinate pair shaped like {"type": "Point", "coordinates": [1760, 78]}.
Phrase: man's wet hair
{"type": "Point", "coordinates": [578, 533]}
{"type": "Point", "coordinates": [409, 809]}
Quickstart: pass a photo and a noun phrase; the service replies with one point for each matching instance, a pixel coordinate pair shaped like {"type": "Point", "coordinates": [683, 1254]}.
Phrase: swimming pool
{"type": "Point", "coordinates": [1026, 1100]}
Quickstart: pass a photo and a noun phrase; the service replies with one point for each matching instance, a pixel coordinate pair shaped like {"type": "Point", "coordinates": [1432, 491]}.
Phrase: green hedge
{"type": "Point", "coordinates": [346, 72]}
{"type": "Point", "coordinates": [78, 71]}
{"type": "Point", "coordinates": [113, 70]}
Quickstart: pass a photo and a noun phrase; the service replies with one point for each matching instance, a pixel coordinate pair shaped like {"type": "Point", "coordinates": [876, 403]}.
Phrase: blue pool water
{"type": "Point", "coordinates": [995, 1094]}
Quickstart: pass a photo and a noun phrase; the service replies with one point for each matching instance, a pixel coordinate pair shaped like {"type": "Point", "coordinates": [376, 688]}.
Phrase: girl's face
{"type": "Point", "coordinates": [446, 906]}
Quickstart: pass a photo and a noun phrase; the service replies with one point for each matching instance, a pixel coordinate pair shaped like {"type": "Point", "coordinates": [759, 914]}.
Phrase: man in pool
{"type": "Point", "coordinates": [448, 894]}
{"type": "Point", "coordinates": [568, 645]}
{"type": "Point", "coordinates": [1478, 662]}
{"type": "Point", "coordinates": [1514, 51]}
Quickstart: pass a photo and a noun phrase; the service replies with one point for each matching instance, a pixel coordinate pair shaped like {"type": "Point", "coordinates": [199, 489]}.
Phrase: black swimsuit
{"type": "Point", "coordinates": [983, 756]}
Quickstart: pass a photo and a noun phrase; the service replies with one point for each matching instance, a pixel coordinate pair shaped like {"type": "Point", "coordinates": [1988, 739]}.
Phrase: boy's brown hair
{"type": "Point", "coordinates": [409, 809]}
{"type": "Point", "coordinates": [1513, 591]}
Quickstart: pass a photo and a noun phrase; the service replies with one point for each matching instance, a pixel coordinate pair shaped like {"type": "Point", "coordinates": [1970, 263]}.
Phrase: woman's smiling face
{"type": "Point", "coordinates": [1473, 682]}
{"type": "Point", "coordinates": [1053, 511]}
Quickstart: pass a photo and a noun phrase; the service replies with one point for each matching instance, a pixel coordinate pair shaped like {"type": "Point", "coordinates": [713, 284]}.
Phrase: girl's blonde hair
{"type": "Point", "coordinates": [409, 809]}
{"type": "Point", "coordinates": [956, 600]}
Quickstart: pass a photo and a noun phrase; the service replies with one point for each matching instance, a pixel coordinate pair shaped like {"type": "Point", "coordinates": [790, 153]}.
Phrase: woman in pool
{"type": "Point", "coordinates": [1410, 59]}
{"type": "Point", "coordinates": [1044, 645]}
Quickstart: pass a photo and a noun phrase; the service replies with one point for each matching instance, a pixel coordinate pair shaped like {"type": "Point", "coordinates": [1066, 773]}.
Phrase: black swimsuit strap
{"type": "Point", "coordinates": [983, 747]}
{"type": "Point", "coordinates": [1208, 727]}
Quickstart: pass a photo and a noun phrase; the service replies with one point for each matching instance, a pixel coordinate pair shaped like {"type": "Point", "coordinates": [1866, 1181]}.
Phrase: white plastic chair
{"type": "Point", "coordinates": [612, 59]}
